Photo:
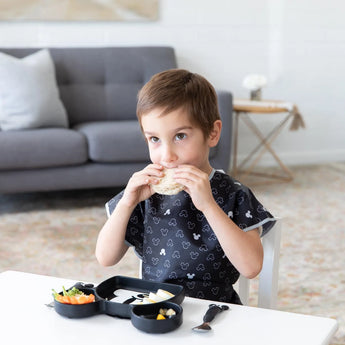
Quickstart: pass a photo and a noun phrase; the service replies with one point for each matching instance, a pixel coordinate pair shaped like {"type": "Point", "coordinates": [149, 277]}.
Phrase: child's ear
{"type": "Point", "coordinates": [215, 133]}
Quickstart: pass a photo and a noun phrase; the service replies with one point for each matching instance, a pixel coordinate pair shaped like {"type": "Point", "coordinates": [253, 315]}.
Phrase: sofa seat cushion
{"type": "Point", "coordinates": [115, 141]}
{"type": "Point", "coordinates": [41, 148]}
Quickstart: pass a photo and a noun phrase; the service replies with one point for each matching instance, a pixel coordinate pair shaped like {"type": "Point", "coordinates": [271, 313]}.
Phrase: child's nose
{"type": "Point", "coordinates": [168, 154]}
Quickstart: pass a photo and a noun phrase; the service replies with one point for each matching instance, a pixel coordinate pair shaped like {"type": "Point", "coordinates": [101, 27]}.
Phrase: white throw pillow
{"type": "Point", "coordinates": [29, 96]}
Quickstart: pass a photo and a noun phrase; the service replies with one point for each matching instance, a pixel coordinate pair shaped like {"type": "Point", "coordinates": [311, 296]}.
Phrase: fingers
{"type": "Point", "coordinates": [149, 175]}
{"type": "Point", "coordinates": [153, 173]}
{"type": "Point", "coordinates": [197, 185]}
{"type": "Point", "coordinates": [189, 173]}
{"type": "Point", "coordinates": [153, 169]}
{"type": "Point", "coordinates": [138, 187]}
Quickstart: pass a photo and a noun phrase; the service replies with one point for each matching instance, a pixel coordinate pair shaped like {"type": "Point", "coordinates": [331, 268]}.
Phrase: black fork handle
{"type": "Point", "coordinates": [212, 311]}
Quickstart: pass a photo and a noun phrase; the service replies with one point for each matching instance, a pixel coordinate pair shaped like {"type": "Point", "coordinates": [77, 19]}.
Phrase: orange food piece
{"type": "Point", "coordinates": [81, 299]}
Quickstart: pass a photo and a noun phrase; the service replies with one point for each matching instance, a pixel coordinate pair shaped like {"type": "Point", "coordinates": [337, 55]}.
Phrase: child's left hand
{"type": "Point", "coordinates": [197, 185]}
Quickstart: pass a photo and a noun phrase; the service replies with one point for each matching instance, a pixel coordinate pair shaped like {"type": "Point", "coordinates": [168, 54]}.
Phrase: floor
{"type": "Point", "coordinates": [55, 234]}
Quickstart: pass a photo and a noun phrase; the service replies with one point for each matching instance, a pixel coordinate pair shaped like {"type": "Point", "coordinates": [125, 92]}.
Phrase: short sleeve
{"type": "Point", "coordinates": [249, 213]}
{"type": "Point", "coordinates": [134, 233]}
{"type": "Point", "coordinates": [111, 204]}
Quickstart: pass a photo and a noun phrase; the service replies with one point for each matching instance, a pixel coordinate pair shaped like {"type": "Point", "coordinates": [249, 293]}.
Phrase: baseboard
{"type": "Point", "coordinates": [301, 158]}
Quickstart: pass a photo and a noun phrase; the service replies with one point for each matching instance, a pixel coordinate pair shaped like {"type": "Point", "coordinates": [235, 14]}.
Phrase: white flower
{"type": "Point", "coordinates": [254, 81]}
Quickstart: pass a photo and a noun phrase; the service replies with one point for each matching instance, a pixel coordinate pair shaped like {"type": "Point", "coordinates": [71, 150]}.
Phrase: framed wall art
{"type": "Point", "coordinates": [79, 10]}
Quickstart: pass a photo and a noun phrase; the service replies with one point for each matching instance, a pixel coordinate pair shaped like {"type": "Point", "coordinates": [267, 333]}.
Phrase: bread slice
{"type": "Point", "coordinates": [167, 185]}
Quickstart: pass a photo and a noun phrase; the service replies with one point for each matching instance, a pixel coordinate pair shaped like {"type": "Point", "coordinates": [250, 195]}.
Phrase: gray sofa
{"type": "Point", "coordinates": [103, 145]}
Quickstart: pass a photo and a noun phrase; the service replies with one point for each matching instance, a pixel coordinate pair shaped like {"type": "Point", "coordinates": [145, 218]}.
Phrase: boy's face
{"type": "Point", "coordinates": [173, 140]}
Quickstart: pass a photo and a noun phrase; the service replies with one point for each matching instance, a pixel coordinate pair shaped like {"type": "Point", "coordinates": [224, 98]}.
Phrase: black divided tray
{"type": "Point", "coordinates": [105, 299]}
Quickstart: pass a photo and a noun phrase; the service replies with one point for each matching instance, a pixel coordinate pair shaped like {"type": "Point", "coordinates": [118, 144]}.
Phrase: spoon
{"type": "Point", "coordinates": [211, 313]}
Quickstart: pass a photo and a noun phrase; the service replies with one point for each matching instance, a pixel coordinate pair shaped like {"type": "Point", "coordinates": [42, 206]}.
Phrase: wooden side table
{"type": "Point", "coordinates": [243, 109]}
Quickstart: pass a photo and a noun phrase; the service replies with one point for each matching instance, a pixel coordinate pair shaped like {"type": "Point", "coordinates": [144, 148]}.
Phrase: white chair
{"type": "Point", "coordinates": [268, 278]}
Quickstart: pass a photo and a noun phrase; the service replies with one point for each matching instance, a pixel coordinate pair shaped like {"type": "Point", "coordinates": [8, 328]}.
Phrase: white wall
{"type": "Point", "coordinates": [298, 44]}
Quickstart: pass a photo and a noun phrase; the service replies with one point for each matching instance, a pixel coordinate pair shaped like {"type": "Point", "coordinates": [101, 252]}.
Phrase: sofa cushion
{"type": "Point", "coordinates": [98, 84]}
{"type": "Point", "coordinates": [41, 148]}
{"type": "Point", "coordinates": [112, 142]}
{"type": "Point", "coordinates": [29, 96]}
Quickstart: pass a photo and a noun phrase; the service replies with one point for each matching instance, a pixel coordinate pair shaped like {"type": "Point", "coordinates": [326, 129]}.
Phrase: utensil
{"type": "Point", "coordinates": [211, 313]}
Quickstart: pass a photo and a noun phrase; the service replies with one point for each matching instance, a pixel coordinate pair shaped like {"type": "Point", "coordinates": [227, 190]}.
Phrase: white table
{"type": "Point", "coordinates": [24, 319]}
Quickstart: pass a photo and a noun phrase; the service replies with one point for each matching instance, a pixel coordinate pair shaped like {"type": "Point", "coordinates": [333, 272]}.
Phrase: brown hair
{"type": "Point", "coordinates": [179, 88]}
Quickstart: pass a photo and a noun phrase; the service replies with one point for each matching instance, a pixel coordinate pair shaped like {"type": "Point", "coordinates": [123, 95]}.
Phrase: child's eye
{"type": "Point", "coordinates": [180, 136]}
{"type": "Point", "coordinates": [154, 140]}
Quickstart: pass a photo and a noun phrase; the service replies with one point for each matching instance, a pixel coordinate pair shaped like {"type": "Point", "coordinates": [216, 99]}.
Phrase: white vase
{"type": "Point", "coordinates": [255, 95]}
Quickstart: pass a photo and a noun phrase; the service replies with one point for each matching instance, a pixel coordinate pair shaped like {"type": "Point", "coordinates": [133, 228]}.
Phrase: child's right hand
{"type": "Point", "coordinates": [139, 185]}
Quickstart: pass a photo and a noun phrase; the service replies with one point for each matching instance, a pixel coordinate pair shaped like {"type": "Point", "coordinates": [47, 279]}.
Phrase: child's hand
{"type": "Point", "coordinates": [139, 185]}
{"type": "Point", "coordinates": [197, 185]}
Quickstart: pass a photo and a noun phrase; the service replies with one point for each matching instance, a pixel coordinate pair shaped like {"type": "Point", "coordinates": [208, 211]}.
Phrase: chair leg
{"type": "Point", "coordinates": [140, 269]}
{"type": "Point", "coordinates": [243, 289]}
{"type": "Point", "coordinates": [268, 284]}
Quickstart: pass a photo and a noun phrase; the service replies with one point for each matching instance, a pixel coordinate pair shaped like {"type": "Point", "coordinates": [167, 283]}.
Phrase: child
{"type": "Point", "coordinates": [207, 234]}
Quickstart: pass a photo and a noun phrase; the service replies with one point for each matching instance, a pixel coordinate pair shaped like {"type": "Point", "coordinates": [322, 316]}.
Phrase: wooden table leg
{"type": "Point", "coordinates": [264, 145]}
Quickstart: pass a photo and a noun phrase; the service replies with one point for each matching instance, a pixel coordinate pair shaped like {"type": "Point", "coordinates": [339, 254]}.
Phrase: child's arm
{"type": "Point", "coordinates": [243, 249]}
{"type": "Point", "coordinates": [111, 247]}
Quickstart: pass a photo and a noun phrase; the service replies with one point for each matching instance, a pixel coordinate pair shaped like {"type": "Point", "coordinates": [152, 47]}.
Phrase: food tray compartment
{"type": "Point", "coordinates": [143, 317]}
{"type": "Point", "coordinates": [80, 310]}
{"type": "Point", "coordinates": [106, 289]}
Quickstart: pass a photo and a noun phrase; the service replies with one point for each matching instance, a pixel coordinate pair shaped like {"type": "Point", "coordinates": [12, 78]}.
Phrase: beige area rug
{"type": "Point", "coordinates": [55, 234]}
